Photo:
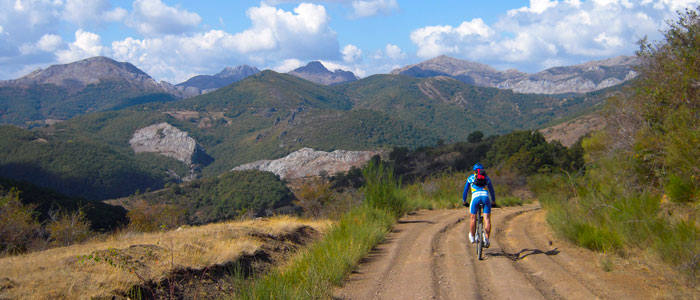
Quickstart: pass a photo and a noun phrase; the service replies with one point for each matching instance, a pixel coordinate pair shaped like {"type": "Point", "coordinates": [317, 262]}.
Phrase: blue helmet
{"type": "Point", "coordinates": [477, 166]}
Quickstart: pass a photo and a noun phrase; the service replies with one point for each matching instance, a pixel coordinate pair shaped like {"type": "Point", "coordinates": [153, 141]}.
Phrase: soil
{"type": "Point", "coordinates": [427, 256]}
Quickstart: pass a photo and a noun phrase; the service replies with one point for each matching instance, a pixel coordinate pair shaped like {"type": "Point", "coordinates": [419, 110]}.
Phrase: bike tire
{"type": "Point", "coordinates": [479, 246]}
{"type": "Point", "coordinates": [479, 237]}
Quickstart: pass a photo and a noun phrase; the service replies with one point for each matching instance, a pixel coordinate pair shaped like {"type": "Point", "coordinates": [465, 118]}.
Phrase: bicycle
{"type": "Point", "coordinates": [479, 234]}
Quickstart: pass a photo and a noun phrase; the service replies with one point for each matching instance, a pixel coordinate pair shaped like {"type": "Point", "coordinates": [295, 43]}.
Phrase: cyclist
{"type": "Point", "coordinates": [482, 192]}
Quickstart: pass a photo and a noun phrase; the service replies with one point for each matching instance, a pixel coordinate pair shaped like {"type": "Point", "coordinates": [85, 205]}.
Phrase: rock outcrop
{"type": "Point", "coordinates": [316, 72]}
{"type": "Point", "coordinates": [308, 162]}
{"type": "Point", "coordinates": [588, 77]}
{"type": "Point", "coordinates": [167, 140]}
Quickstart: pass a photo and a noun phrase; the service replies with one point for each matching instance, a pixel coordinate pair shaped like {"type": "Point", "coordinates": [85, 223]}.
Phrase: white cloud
{"type": "Point", "coordinates": [394, 52]}
{"type": "Point", "coordinates": [550, 32]}
{"type": "Point", "coordinates": [435, 40]}
{"type": "Point", "coordinates": [360, 8]}
{"type": "Point", "coordinates": [92, 12]}
{"type": "Point", "coordinates": [47, 43]}
{"type": "Point", "coordinates": [275, 35]}
{"type": "Point", "coordinates": [86, 44]}
{"type": "Point", "coordinates": [351, 53]}
{"type": "Point", "coordinates": [154, 18]}
{"type": "Point", "coordinates": [26, 21]}
{"type": "Point", "coordinates": [288, 65]}
{"type": "Point", "coordinates": [368, 8]}
{"type": "Point", "coordinates": [536, 6]}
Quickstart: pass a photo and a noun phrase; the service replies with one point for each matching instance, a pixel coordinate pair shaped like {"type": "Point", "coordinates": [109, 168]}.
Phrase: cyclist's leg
{"type": "Point", "coordinates": [473, 206]}
{"type": "Point", "coordinates": [487, 217]}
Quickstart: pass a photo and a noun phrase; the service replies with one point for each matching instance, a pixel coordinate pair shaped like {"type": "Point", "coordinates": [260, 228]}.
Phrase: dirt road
{"type": "Point", "coordinates": [426, 256]}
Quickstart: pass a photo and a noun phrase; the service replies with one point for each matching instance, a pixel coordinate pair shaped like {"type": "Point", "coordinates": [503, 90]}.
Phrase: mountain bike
{"type": "Point", "coordinates": [479, 234]}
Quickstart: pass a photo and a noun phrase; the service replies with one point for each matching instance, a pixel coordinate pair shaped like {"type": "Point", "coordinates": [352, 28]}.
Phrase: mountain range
{"type": "Point", "coordinates": [316, 72]}
{"type": "Point", "coordinates": [587, 77]}
{"type": "Point", "coordinates": [266, 115]}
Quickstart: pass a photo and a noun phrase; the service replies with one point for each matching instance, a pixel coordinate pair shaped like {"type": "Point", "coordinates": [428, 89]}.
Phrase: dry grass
{"type": "Point", "coordinates": [74, 273]}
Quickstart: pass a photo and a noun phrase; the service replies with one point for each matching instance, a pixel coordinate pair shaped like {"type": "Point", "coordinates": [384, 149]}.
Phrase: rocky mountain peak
{"type": "Point", "coordinates": [208, 83]}
{"type": "Point", "coordinates": [84, 72]}
{"type": "Point", "coordinates": [237, 72]}
{"type": "Point", "coordinates": [314, 67]}
{"type": "Point", "coordinates": [316, 72]}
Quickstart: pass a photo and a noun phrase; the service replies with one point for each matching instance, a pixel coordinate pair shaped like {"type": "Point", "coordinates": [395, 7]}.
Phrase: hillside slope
{"type": "Point", "coordinates": [269, 115]}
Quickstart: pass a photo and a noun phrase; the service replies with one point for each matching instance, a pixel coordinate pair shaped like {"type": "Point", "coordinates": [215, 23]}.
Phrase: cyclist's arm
{"type": "Point", "coordinates": [466, 192]}
{"type": "Point", "coordinates": [491, 192]}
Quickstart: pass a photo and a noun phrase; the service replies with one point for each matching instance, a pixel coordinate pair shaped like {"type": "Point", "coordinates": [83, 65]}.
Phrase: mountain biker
{"type": "Point", "coordinates": [481, 192]}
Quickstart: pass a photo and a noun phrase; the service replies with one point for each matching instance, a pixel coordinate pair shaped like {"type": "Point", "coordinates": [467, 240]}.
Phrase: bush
{"type": "Point", "coordinates": [68, 228]}
{"type": "Point", "coordinates": [680, 189]}
{"type": "Point", "coordinates": [314, 196]}
{"type": "Point", "coordinates": [18, 224]}
{"type": "Point", "coordinates": [144, 217]}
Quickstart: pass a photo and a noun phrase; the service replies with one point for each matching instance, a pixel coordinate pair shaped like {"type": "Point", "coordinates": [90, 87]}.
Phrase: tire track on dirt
{"type": "Point", "coordinates": [400, 268]}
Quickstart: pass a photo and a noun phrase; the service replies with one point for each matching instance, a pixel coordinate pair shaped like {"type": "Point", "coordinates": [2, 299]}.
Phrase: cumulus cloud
{"type": "Point", "coordinates": [367, 8]}
{"type": "Point", "coordinates": [86, 44]}
{"type": "Point", "coordinates": [547, 32]}
{"type": "Point", "coordinates": [27, 21]}
{"type": "Point", "coordinates": [92, 12]}
{"type": "Point", "coordinates": [275, 35]}
{"type": "Point", "coordinates": [288, 65]}
{"type": "Point", "coordinates": [351, 53]}
{"type": "Point", "coordinates": [360, 8]}
{"type": "Point", "coordinates": [435, 40]}
{"type": "Point", "coordinates": [47, 43]}
{"type": "Point", "coordinates": [394, 52]}
{"type": "Point", "coordinates": [154, 18]}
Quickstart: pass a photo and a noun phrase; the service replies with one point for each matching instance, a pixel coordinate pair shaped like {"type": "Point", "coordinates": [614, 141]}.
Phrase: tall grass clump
{"type": "Point", "coordinates": [382, 190]}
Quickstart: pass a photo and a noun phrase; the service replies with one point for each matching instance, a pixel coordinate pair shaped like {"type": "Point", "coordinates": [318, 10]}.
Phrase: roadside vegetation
{"type": "Point", "coordinates": [640, 189]}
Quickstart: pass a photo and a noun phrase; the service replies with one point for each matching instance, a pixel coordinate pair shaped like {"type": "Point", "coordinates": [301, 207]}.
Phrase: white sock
{"type": "Point", "coordinates": [471, 238]}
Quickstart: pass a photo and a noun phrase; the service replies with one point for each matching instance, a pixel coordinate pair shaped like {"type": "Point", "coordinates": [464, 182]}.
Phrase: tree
{"type": "Point", "coordinates": [475, 137]}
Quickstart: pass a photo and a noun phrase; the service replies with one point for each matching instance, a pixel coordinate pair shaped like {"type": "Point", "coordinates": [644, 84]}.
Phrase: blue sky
{"type": "Point", "coordinates": [173, 40]}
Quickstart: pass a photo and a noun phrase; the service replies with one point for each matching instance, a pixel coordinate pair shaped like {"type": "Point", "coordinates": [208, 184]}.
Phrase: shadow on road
{"type": "Point", "coordinates": [522, 253]}
{"type": "Point", "coordinates": [415, 221]}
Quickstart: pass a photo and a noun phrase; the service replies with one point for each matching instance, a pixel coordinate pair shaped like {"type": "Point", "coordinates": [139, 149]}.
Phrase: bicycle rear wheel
{"type": "Point", "coordinates": [479, 236]}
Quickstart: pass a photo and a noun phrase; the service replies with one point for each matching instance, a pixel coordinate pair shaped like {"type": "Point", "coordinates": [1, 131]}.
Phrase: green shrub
{"type": "Point", "coordinates": [382, 190]}
{"type": "Point", "coordinates": [596, 238]}
{"type": "Point", "coordinates": [510, 201]}
{"type": "Point", "coordinates": [679, 189]}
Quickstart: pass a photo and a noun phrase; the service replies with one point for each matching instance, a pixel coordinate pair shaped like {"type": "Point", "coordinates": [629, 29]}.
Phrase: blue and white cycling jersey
{"type": "Point", "coordinates": [484, 195]}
